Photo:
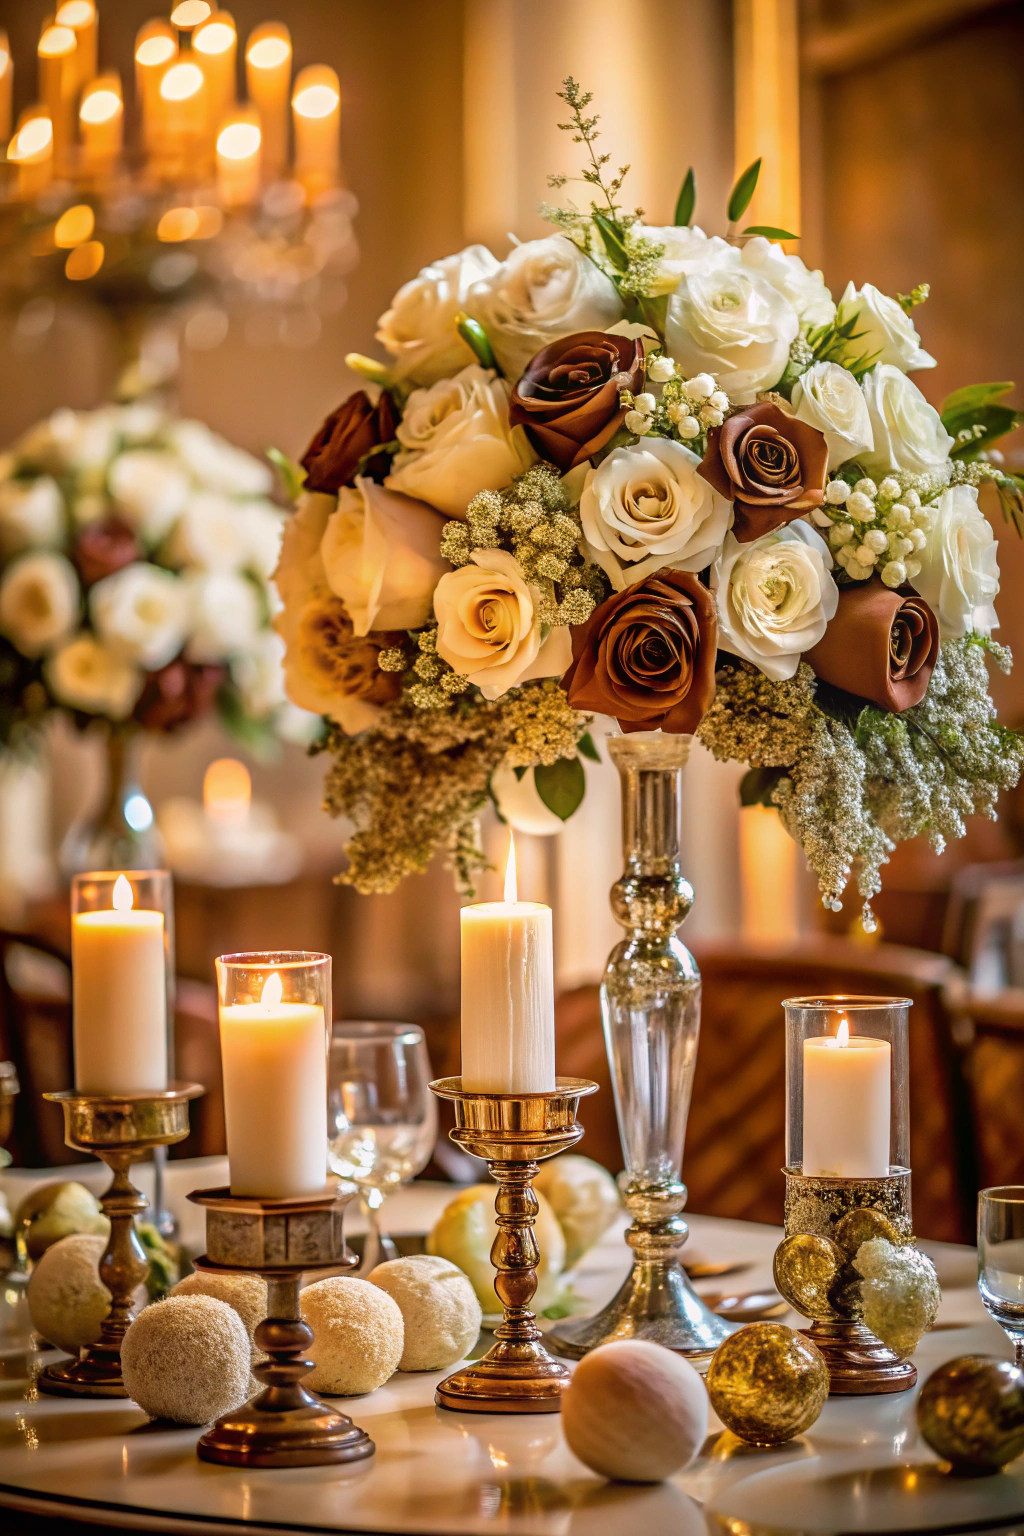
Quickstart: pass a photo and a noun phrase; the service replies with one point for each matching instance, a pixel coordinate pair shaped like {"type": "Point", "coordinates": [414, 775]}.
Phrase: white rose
{"type": "Point", "coordinates": [381, 554]}
{"type": "Point", "coordinates": [884, 329]}
{"type": "Point", "coordinates": [262, 527]}
{"type": "Point", "coordinates": [489, 628]}
{"type": "Point", "coordinates": [908, 432]}
{"type": "Point", "coordinates": [456, 441]}
{"type": "Point", "coordinates": [731, 322]}
{"type": "Point", "coordinates": [258, 673]}
{"type": "Point", "coordinates": [224, 615]}
{"type": "Point", "coordinates": [959, 575]}
{"type": "Point", "coordinates": [647, 506]}
{"type": "Point", "coordinates": [31, 515]}
{"type": "Point", "coordinates": [142, 613]}
{"type": "Point", "coordinates": [218, 465]}
{"type": "Point", "coordinates": [209, 533]}
{"type": "Point", "coordinates": [686, 249]}
{"type": "Point", "coordinates": [543, 290]}
{"type": "Point", "coordinates": [775, 597]}
{"type": "Point", "coordinates": [150, 487]}
{"type": "Point", "coordinates": [804, 289]}
{"type": "Point", "coordinates": [39, 601]}
{"type": "Point", "coordinates": [86, 675]}
{"type": "Point", "coordinates": [419, 328]}
{"type": "Point", "coordinates": [828, 397]}
{"type": "Point", "coordinates": [79, 441]}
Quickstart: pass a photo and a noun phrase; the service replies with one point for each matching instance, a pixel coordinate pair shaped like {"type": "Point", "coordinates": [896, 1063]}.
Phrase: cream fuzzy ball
{"type": "Point", "coordinates": [67, 1300]}
{"type": "Point", "coordinates": [247, 1294]}
{"type": "Point", "coordinates": [439, 1308]}
{"type": "Point", "coordinates": [187, 1359]}
{"type": "Point", "coordinates": [635, 1411]}
{"type": "Point", "coordinates": [358, 1335]}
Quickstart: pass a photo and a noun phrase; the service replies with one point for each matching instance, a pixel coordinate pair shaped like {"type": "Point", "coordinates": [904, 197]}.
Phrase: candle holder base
{"type": "Point", "coordinates": [286, 1425]}
{"type": "Point", "coordinates": [120, 1129]}
{"type": "Point", "coordinates": [513, 1133]}
{"type": "Point", "coordinates": [859, 1365]}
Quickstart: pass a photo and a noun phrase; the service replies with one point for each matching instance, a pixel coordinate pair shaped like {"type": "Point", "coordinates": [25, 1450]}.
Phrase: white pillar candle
{"type": "Point", "coordinates": [156, 48]}
{"type": "Point", "coordinates": [508, 994]}
{"type": "Point", "coordinates": [214, 49]}
{"type": "Point", "coordinates": [268, 74]}
{"type": "Point", "coordinates": [238, 160]}
{"type": "Point", "coordinates": [316, 110]}
{"type": "Point", "coordinates": [119, 998]}
{"type": "Point", "coordinates": [274, 1059]}
{"type": "Point", "coordinates": [6, 86]}
{"type": "Point", "coordinates": [100, 124]}
{"type": "Point", "coordinates": [846, 1105]}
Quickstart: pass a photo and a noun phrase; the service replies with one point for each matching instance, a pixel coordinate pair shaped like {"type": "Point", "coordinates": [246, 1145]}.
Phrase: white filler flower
{"type": "Point", "coordinates": [775, 596]}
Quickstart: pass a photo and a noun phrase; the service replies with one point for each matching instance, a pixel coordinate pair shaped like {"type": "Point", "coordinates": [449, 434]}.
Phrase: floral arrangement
{"type": "Point", "coordinates": [135, 557]}
{"type": "Point", "coordinates": [662, 476]}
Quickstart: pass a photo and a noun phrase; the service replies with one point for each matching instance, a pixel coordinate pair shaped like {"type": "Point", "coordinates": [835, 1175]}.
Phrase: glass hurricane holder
{"type": "Point", "coordinates": [650, 1005]}
{"type": "Point", "coordinates": [847, 1174]}
{"type": "Point", "coordinates": [119, 830]}
{"type": "Point", "coordinates": [1001, 1260]}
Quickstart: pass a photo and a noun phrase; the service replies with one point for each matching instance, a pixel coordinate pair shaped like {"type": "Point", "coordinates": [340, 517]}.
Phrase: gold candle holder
{"type": "Point", "coordinates": [286, 1425]}
{"type": "Point", "coordinates": [514, 1132]}
{"type": "Point", "coordinates": [119, 1129]}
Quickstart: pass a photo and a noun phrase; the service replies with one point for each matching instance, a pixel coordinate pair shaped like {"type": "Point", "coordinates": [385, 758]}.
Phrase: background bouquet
{"type": "Point", "coordinates": [661, 476]}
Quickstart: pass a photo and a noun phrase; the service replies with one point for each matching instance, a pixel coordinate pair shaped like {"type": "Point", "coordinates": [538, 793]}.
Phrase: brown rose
{"type": "Point", "coordinates": [356, 427]}
{"type": "Point", "coordinates": [177, 694]}
{"type": "Point", "coordinates": [769, 465]}
{"type": "Point", "coordinates": [568, 398]}
{"type": "Point", "coordinates": [881, 646]}
{"type": "Point", "coordinates": [343, 663]}
{"type": "Point", "coordinates": [647, 655]}
{"type": "Point", "coordinates": [103, 548]}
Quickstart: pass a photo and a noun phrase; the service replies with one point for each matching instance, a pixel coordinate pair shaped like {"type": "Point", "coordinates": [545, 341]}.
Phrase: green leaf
{"type": "Point", "coordinates": [612, 242]}
{"type": "Point", "coordinates": [586, 748]}
{"type": "Point", "coordinates": [561, 785]}
{"type": "Point", "coordinates": [1010, 488]}
{"type": "Point", "coordinates": [987, 425]}
{"type": "Point", "coordinates": [757, 784]}
{"type": "Point", "coordinates": [475, 337]}
{"type": "Point", "coordinates": [687, 199]}
{"type": "Point", "coordinates": [770, 232]}
{"type": "Point", "coordinates": [520, 772]}
{"type": "Point", "coordinates": [743, 191]}
{"type": "Point", "coordinates": [293, 476]}
{"type": "Point", "coordinates": [971, 397]}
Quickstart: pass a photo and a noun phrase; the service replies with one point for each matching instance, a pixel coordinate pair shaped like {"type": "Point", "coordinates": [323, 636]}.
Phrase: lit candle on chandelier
{"type": "Point", "coordinates": [214, 49]}
{"type": "Point", "coordinates": [101, 124]}
{"type": "Point", "coordinates": [80, 16]}
{"type": "Point", "coordinates": [57, 80]}
{"type": "Point", "coordinates": [268, 76]}
{"type": "Point", "coordinates": [156, 49]}
{"type": "Point", "coordinates": [6, 85]}
{"type": "Point", "coordinates": [238, 159]}
{"type": "Point", "coordinates": [317, 114]}
{"type": "Point", "coordinates": [846, 1105]}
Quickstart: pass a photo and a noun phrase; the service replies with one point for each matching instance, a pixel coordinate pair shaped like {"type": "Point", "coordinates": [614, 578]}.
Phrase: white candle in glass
{"type": "Point", "coordinates": [846, 1105]}
{"type": "Point", "coordinates": [119, 998]}
{"type": "Point", "coordinates": [274, 1059]}
{"type": "Point", "coordinates": [508, 994]}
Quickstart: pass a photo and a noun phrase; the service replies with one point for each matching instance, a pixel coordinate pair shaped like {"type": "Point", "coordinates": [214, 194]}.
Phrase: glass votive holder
{"type": "Point", "coordinates": [275, 1011]}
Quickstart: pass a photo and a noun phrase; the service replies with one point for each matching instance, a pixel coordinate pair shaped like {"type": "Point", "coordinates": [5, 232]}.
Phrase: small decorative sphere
{"type": "Point", "coordinates": [635, 1411]}
{"type": "Point", "coordinates": [439, 1307]}
{"type": "Point", "coordinates": [358, 1334]}
{"type": "Point", "coordinates": [860, 1225]}
{"type": "Point", "coordinates": [971, 1411]}
{"type": "Point", "coordinates": [247, 1294]}
{"type": "Point", "coordinates": [767, 1383]}
{"type": "Point", "coordinates": [186, 1359]}
{"type": "Point", "coordinates": [67, 1300]}
{"type": "Point", "coordinates": [806, 1268]}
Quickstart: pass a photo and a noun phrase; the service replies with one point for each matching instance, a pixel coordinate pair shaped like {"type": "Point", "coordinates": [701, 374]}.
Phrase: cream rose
{"type": "Point", "coordinates": [959, 576]}
{"type": "Point", "coordinates": [419, 328]}
{"type": "Point", "coordinates": [647, 506]}
{"type": "Point", "coordinates": [381, 554]}
{"type": "Point", "coordinates": [828, 397]}
{"type": "Point", "coordinates": [805, 289]}
{"type": "Point", "coordinates": [142, 612]}
{"type": "Point", "coordinates": [87, 675]}
{"type": "Point", "coordinates": [731, 322]}
{"type": "Point", "coordinates": [456, 440]}
{"type": "Point", "coordinates": [908, 432]}
{"type": "Point", "coordinates": [31, 515]}
{"type": "Point", "coordinates": [543, 290]}
{"type": "Point", "coordinates": [39, 601]}
{"type": "Point", "coordinates": [489, 629]}
{"type": "Point", "coordinates": [686, 249]}
{"type": "Point", "coordinates": [218, 465]}
{"type": "Point", "coordinates": [775, 597]}
{"type": "Point", "coordinates": [217, 533]}
{"type": "Point", "coordinates": [149, 487]}
{"type": "Point", "coordinates": [259, 673]}
{"type": "Point", "coordinates": [224, 615]}
{"type": "Point", "coordinates": [884, 329]}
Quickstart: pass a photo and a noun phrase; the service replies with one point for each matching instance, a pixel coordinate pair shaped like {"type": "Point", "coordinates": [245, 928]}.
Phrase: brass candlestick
{"type": "Point", "coordinates": [513, 1132]}
{"type": "Point", "coordinates": [286, 1425]}
{"type": "Point", "coordinates": [120, 1129]}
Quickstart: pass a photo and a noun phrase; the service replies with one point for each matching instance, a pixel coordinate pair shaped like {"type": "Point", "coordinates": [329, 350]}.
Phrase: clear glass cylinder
{"type": "Point", "coordinates": [847, 1081]}
{"type": "Point", "coordinates": [275, 1010]}
{"type": "Point", "coordinates": [119, 830]}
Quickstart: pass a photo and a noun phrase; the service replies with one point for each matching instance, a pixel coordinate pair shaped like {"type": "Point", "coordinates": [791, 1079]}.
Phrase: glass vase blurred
{"type": "Point", "coordinates": [650, 1006]}
{"type": "Point", "coordinates": [119, 830]}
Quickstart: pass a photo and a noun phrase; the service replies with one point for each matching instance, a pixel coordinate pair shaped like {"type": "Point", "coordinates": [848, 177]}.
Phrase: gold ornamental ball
{"type": "Point", "coordinates": [767, 1383]}
{"type": "Point", "coordinates": [806, 1268]}
{"type": "Point", "coordinates": [861, 1225]}
{"type": "Point", "coordinates": [971, 1411]}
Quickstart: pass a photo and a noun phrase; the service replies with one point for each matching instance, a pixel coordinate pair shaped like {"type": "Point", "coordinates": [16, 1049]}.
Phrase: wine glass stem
{"type": "Point", "coordinates": [373, 1249]}
{"type": "Point", "coordinates": [1018, 1352]}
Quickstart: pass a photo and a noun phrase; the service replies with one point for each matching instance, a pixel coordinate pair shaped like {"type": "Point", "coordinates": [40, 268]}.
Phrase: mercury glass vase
{"type": "Point", "coordinates": [650, 1006]}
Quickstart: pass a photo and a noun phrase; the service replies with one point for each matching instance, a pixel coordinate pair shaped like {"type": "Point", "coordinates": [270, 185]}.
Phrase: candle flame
{"type": "Point", "coordinates": [511, 887]}
{"type": "Point", "coordinates": [843, 1033]}
{"type": "Point", "coordinates": [272, 991]}
{"type": "Point", "coordinates": [124, 897]}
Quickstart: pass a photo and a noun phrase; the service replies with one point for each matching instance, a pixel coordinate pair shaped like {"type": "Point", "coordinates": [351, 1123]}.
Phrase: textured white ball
{"type": "Point", "coordinates": [247, 1294]}
{"type": "Point", "coordinates": [67, 1300]}
{"type": "Point", "coordinates": [187, 1359]}
{"type": "Point", "coordinates": [358, 1333]}
{"type": "Point", "coordinates": [635, 1411]}
{"type": "Point", "coordinates": [439, 1308]}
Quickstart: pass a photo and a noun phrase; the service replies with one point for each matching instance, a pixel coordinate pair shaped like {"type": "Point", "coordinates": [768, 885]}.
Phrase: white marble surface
{"type": "Point", "coordinates": [861, 1467]}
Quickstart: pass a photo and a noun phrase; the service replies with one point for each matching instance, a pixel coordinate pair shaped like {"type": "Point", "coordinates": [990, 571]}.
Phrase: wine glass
{"type": "Point", "coordinates": [381, 1116]}
{"type": "Point", "coordinates": [1001, 1260]}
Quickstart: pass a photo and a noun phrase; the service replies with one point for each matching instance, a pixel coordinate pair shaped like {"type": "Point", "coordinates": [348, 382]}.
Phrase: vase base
{"type": "Point", "coordinates": [859, 1364]}
{"type": "Point", "coordinates": [657, 1304]}
{"type": "Point", "coordinates": [91, 1376]}
{"type": "Point", "coordinates": [503, 1383]}
{"type": "Point", "coordinates": [311, 1434]}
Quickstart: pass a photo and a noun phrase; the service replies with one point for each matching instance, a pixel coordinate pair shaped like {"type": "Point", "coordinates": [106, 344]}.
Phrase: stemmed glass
{"type": "Point", "coordinates": [381, 1116]}
{"type": "Point", "coordinates": [1001, 1260]}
